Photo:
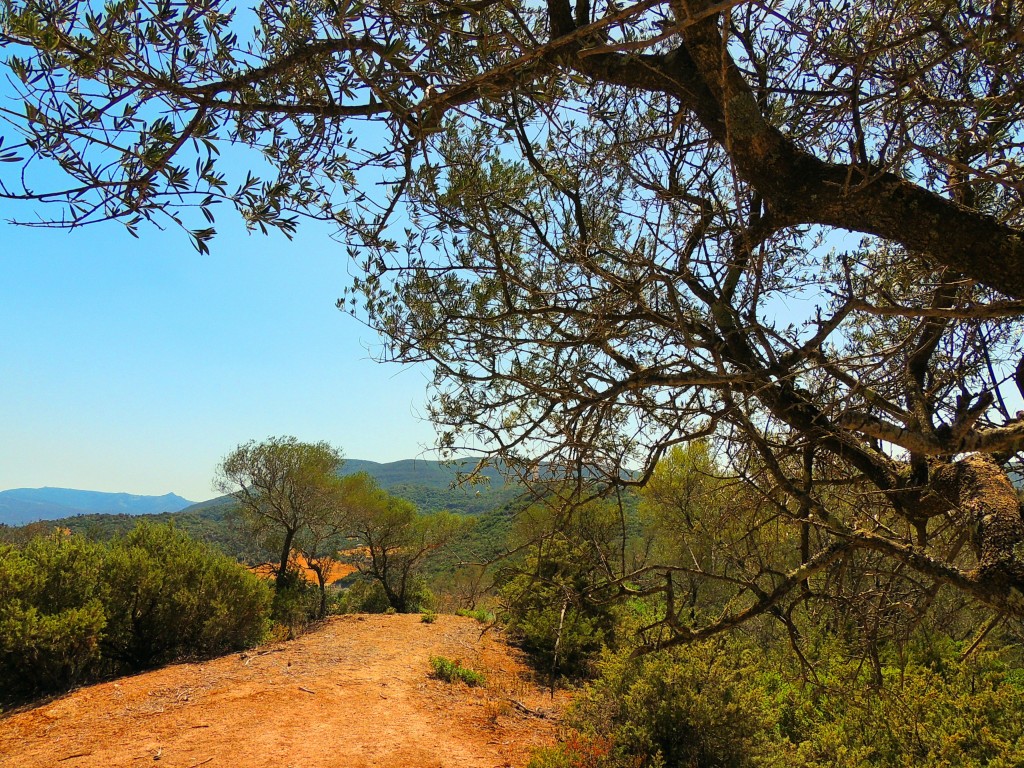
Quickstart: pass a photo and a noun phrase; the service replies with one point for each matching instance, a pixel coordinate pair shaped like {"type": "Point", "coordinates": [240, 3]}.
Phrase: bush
{"type": "Point", "coordinates": [52, 615]}
{"type": "Point", "coordinates": [170, 597]}
{"type": "Point", "coordinates": [450, 671]}
{"type": "Point", "coordinates": [296, 604]}
{"type": "Point", "coordinates": [364, 596]}
{"type": "Point", "coordinates": [73, 610]}
{"type": "Point", "coordinates": [955, 713]}
{"type": "Point", "coordinates": [723, 704]}
{"type": "Point", "coordinates": [550, 614]}
{"type": "Point", "coordinates": [480, 614]}
{"type": "Point", "coordinates": [697, 706]}
{"type": "Point", "coordinates": [580, 751]}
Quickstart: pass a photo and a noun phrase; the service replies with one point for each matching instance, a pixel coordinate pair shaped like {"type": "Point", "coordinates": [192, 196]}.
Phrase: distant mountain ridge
{"type": "Point", "coordinates": [19, 506]}
{"type": "Point", "coordinates": [431, 485]}
{"type": "Point", "coordinates": [432, 474]}
{"type": "Point", "coordinates": [428, 483]}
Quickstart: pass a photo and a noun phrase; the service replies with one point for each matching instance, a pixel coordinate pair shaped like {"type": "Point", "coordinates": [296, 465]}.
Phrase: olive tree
{"type": "Point", "coordinates": [328, 527]}
{"type": "Point", "coordinates": [284, 488]}
{"type": "Point", "coordinates": [791, 228]}
{"type": "Point", "coordinates": [394, 541]}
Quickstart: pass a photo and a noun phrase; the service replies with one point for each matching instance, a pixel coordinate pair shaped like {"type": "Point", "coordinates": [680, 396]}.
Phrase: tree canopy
{"type": "Point", "coordinates": [791, 228]}
{"type": "Point", "coordinates": [393, 542]}
{"type": "Point", "coordinates": [289, 491]}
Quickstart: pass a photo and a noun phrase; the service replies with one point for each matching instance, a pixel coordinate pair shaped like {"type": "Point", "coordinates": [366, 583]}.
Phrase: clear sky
{"type": "Point", "coordinates": [135, 365]}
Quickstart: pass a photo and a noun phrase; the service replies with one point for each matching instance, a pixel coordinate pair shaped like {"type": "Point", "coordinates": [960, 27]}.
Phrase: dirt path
{"type": "Point", "coordinates": [353, 694]}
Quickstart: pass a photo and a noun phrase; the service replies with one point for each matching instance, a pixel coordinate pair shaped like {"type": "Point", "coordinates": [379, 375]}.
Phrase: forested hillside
{"type": "Point", "coordinates": [432, 486]}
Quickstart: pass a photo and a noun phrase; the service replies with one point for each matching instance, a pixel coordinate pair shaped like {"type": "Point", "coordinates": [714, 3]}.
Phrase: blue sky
{"type": "Point", "coordinates": [135, 365]}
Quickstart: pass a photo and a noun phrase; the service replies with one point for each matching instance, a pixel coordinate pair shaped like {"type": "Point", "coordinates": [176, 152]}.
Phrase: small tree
{"type": "Point", "coordinates": [398, 540]}
{"type": "Point", "coordinates": [282, 485]}
{"type": "Point", "coordinates": [556, 602]}
{"type": "Point", "coordinates": [327, 527]}
{"type": "Point", "coordinates": [698, 524]}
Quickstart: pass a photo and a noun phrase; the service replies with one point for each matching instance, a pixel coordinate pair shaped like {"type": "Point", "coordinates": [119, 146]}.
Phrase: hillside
{"type": "Point", "coordinates": [356, 693]}
{"type": "Point", "coordinates": [432, 485]}
{"type": "Point", "coordinates": [428, 484]}
{"type": "Point", "coordinates": [431, 474]}
{"type": "Point", "coordinates": [19, 506]}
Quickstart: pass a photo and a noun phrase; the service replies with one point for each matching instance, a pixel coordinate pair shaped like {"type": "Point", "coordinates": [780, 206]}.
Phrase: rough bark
{"type": "Point", "coordinates": [977, 489]}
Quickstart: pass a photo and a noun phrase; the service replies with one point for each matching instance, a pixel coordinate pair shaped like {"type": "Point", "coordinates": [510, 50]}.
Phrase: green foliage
{"type": "Point", "coordinates": [464, 501]}
{"type": "Point", "coordinates": [699, 522]}
{"type": "Point", "coordinates": [72, 610]}
{"type": "Point", "coordinates": [216, 523]}
{"type": "Point", "coordinates": [692, 707]}
{"type": "Point", "coordinates": [958, 713]}
{"type": "Point", "coordinates": [288, 494]}
{"type": "Point", "coordinates": [428, 617]}
{"type": "Point", "coordinates": [296, 604]}
{"type": "Point", "coordinates": [451, 670]}
{"type": "Point", "coordinates": [480, 614]}
{"type": "Point", "coordinates": [170, 597]}
{"type": "Point", "coordinates": [551, 606]}
{"type": "Point", "coordinates": [364, 595]}
{"type": "Point", "coordinates": [397, 542]}
{"type": "Point", "coordinates": [562, 642]}
{"type": "Point", "coordinates": [52, 614]}
{"type": "Point", "coordinates": [731, 703]}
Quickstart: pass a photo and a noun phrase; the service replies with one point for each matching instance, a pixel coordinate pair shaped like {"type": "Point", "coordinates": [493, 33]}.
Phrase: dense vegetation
{"type": "Point", "coordinates": [892, 676]}
{"type": "Point", "coordinates": [895, 675]}
{"type": "Point", "coordinates": [74, 610]}
{"type": "Point", "coordinates": [615, 229]}
{"type": "Point", "coordinates": [737, 703]}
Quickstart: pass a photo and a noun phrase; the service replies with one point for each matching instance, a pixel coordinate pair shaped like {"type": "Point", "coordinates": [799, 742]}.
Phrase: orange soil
{"type": "Point", "coordinates": [355, 693]}
{"type": "Point", "coordinates": [337, 571]}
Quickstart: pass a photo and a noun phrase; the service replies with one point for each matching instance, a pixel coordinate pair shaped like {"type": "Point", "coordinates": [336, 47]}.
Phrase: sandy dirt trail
{"type": "Point", "coordinates": [354, 693]}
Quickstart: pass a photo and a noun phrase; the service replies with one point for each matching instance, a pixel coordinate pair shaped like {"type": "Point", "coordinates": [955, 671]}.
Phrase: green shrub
{"type": "Point", "coordinates": [428, 617]}
{"type": "Point", "coordinates": [957, 713]}
{"type": "Point", "coordinates": [480, 614]}
{"type": "Point", "coordinates": [725, 704]}
{"type": "Point", "coordinates": [170, 597]}
{"type": "Point", "coordinates": [72, 610]}
{"type": "Point", "coordinates": [450, 671]}
{"type": "Point", "coordinates": [696, 706]}
{"type": "Point", "coordinates": [52, 615]}
{"type": "Point", "coordinates": [550, 614]}
{"type": "Point", "coordinates": [296, 604]}
{"type": "Point", "coordinates": [363, 596]}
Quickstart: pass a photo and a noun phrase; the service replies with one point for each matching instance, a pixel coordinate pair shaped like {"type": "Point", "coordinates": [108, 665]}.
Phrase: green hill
{"type": "Point", "coordinates": [431, 474]}
{"type": "Point", "coordinates": [433, 486]}
{"type": "Point", "coordinates": [430, 485]}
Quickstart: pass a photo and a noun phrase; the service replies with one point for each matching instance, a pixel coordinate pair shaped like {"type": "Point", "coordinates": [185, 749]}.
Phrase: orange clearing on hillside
{"type": "Point", "coordinates": [337, 571]}
{"type": "Point", "coordinates": [355, 693]}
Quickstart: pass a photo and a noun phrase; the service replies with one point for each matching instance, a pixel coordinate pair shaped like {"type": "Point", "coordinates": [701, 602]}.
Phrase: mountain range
{"type": "Point", "coordinates": [428, 483]}
{"type": "Point", "coordinates": [26, 505]}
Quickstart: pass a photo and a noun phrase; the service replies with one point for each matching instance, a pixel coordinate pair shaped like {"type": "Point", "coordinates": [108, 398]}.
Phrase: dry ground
{"type": "Point", "coordinates": [352, 694]}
